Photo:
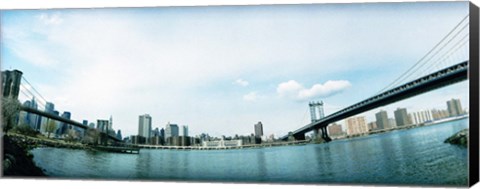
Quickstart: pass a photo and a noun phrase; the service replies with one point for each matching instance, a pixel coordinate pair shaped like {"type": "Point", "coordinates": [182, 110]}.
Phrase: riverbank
{"type": "Point", "coordinates": [17, 161]}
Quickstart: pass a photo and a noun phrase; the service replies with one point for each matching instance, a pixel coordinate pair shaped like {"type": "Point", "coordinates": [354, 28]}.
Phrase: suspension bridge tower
{"type": "Point", "coordinates": [316, 107]}
{"type": "Point", "coordinates": [316, 114]}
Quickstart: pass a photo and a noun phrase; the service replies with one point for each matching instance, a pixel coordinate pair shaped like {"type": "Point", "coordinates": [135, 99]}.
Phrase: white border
{"type": "Point", "coordinates": [79, 184]}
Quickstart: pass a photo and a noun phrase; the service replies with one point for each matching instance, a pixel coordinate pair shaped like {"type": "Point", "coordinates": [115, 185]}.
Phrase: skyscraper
{"type": "Point", "coordinates": [11, 83]}
{"type": "Point", "coordinates": [49, 107]}
{"type": "Point", "coordinates": [454, 107]}
{"type": "Point", "coordinates": [64, 127]}
{"type": "Point", "coordinates": [145, 126]}
{"type": "Point", "coordinates": [119, 134]}
{"type": "Point", "coordinates": [110, 124]}
{"type": "Point", "coordinates": [259, 129]}
{"type": "Point", "coordinates": [382, 120]}
{"type": "Point", "coordinates": [401, 117]}
{"type": "Point", "coordinates": [356, 125]}
{"type": "Point", "coordinates": [185, 130]}
{"type": "Point", "coordinates": [171, 130]}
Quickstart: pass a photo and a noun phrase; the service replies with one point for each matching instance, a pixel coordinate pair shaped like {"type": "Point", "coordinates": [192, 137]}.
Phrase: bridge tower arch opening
{"type": "Point", "coordinates": [316, 110]}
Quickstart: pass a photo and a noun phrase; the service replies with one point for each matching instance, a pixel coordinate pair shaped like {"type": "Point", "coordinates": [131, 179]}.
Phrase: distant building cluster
{"type": "Point", "coordinates": [358, 125]}
{"type": "Point", "coordinates": [174, 135]}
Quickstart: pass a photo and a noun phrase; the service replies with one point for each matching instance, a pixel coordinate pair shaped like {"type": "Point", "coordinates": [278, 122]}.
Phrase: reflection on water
{"type": "Point", "coordinates": [414, 157]}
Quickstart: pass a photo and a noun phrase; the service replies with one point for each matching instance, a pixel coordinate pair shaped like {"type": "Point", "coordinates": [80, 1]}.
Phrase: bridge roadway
{"type": "Point", "coordinates": [441, 78]}
{"type": "Point", "coordinates": [62, 119]}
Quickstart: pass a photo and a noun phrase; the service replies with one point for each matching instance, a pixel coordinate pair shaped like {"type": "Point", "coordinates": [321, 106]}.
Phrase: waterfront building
{"type": "Point", "coordinates": [185, 130]}
{"type": "Point", "coordinates": [382, 120]}
{"type": "Point", "coordinates": [145, 126]}
{"type": "Point", "coordinates": [392, 123]}
{"type": "Point", "coordinates": [454, 107]}
{"type": "Point", "coordinates": [356, 125]}
{"type": "Point", "coordinates": [259, 129]}
{"type": "Point", "coordinates": [11, 83]}
{"type": "Point", "coordinates": [372, 126]}
{"type": "Point", "coordinates": [439, 114]}
{"type": "Point", "coordinates": [171, 130]}
{"type": "Point", "coordinates": [422, 116]}
{"type": "Point", "coordinates": [222, 143]}
{"type": "Point", "coordinates": [136, 139]}
{"type": "Point", "coordinates": [401, 117]}
{"type": "Point", "coordinates": [335, 130]}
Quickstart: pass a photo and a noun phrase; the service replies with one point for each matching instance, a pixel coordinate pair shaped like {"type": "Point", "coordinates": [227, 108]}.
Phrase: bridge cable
{"type": "Point", "coordinates": [428, 53]}
{"type": "Point", "coordinates": [406, 75]}
{"type": "Point", "coordinates": [25, 79]}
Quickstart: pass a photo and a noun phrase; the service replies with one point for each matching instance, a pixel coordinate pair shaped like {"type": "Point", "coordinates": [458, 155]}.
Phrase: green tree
{"type": "Point", "coordinates": [10, 110]}
{"type": "Point", "coordinates": [51, 126]}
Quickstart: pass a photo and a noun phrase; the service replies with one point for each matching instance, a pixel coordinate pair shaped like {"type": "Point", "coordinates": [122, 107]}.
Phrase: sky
{"type": "Point", "coordinates": [221, 69]}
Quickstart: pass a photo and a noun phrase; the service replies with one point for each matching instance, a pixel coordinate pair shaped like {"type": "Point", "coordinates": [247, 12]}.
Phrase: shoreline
{"type": "Point", "coordinates": [18, 161]}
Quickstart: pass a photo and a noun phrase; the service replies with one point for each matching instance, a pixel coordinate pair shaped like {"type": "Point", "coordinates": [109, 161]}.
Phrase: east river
{"type": "Point", "coordinates": [415, 156]}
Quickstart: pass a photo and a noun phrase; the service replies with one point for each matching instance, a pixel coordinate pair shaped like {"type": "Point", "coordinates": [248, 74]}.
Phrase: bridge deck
{"type": "Point", "coordinates": [441, 78]}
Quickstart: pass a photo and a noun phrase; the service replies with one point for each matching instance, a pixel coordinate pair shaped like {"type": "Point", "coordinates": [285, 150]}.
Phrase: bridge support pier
{"type": "Point", "coordinates": [325, 134]}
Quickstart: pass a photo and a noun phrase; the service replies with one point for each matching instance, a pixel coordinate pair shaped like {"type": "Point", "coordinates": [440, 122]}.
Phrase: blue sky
{"type": "Point", "coordinates": [221, 69]}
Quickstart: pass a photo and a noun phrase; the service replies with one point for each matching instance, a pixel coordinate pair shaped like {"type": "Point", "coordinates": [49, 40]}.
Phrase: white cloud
{"type": "Point", "coordinates": [50, 19]}
{"type": "Point", "coordinates": [252, 96]}
{"type": "Point", "coordinates": [294, 90]}
{"type": "Point", "coordinates": [241, 82]}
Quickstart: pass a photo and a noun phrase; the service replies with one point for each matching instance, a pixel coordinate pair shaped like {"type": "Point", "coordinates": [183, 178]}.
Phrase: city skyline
{"type": "Point", "coordinates": [199, 83]}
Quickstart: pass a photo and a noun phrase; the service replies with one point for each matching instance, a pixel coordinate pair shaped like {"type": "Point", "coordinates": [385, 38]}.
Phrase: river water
{"type": "Point", "coordinates": [404, 157]}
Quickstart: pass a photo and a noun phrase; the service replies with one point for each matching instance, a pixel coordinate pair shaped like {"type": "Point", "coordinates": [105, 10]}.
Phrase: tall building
{"type": "Point", "coordinates": [64, 127]}
{"type": "Point", "coordinates": [185, 130]}
{"type": "Point", "coordinates": [259, 129]}
{"type": "Point", "coordinates": [162, 133]}
{"type": "Point", "coordinates": [110, 124]}
{"type": "Point", "coordinates": [382, 120]}
{"type": "Point", "coordinates": [145, 126]}
{"type": "Point", "coordinates": [30, 119]}
{"type": "Point", "coordinates": [11, 83]}
{"type": "Point", "coordinates": [454, 107]}
{"type": "Point", "coordinates": [171, 130]}
{"type": "Point", "coordinates": [401, 117]}
{"type": "Point", "coordinates": [356, 125]}
{"type": "Point", "coordinates": [85, 122]}
{"type": "Point", "coordinates": [119, 134]}
{"type": "Point", "coordinates": [49, 107]}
